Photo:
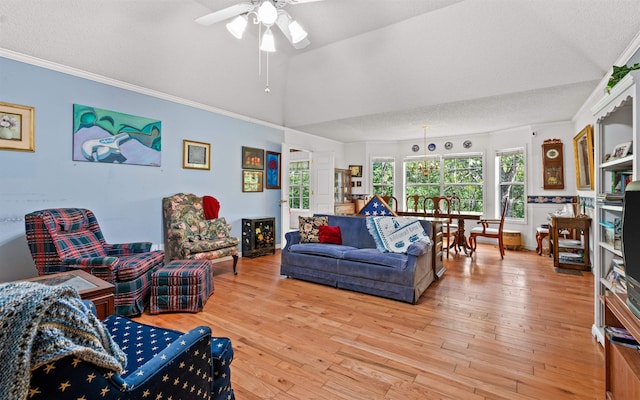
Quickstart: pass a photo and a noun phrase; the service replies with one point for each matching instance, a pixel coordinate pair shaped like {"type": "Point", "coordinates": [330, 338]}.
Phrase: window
{"type": "Point", "coordinates": [299, 185]}
{"type": "Point", "coordinates": [464, 177]}
{"type": "Point", "coordinates": [459, 175]}
{"type": "Point", "coordinates": [510, 169]}
{"type": "Point", "coordinates": [417, 183]}
{"type": "Point", "coordinates": [382, 175]}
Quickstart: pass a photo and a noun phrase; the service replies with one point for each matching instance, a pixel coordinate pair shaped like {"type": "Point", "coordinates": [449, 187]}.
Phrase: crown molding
{"type": "Point", "coordinates": [38, 62]}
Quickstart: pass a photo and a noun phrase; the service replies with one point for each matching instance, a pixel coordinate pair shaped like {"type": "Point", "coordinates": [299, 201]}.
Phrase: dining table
{"type": "Point", "coordinates": [461, 242]}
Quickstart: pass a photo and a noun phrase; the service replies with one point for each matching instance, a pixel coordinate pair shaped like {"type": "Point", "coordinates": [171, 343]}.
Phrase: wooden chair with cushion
{"type": "Point", "coordinates": [485, 231]}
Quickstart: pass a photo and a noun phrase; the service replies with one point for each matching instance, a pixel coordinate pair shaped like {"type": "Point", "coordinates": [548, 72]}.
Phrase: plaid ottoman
{"type": "Point", "coordinates": [181, 285]}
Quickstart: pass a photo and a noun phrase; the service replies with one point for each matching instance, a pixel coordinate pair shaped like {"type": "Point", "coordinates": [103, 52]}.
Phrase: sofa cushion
{"type": "Point", "coordinates": [373, 256]}
{"type": "Point", "coordinates": [321, 249]}
{"type": "Point", "coordinates": [330, 234]}
{"type": "Point", "coordinates": [309, 228]}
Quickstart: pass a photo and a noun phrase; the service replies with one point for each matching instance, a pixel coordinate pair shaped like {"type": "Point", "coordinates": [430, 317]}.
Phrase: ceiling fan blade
{"type": "Point", "coordinates": [301, 1]}
{"type": "Point", "coordinates": [283, 21]}
{"type": "Point", "coordinates": [225, 13]}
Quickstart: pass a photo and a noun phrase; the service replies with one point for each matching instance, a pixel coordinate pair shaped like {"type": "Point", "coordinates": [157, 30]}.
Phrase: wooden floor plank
{"type": "Point", "coordinates": [489, 329]}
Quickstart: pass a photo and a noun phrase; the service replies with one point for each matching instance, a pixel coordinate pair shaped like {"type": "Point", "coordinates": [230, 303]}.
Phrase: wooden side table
{"type": "Point", "coordinates": [89, 287]}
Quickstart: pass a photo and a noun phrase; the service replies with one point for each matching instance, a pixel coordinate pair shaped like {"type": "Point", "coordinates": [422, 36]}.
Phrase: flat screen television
{"type": "Point", "coordinates": [631, 244]}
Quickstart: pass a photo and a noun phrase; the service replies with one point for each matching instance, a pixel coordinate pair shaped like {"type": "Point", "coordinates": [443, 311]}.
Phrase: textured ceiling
{"type": "Point", "coordinates": [375, 69]}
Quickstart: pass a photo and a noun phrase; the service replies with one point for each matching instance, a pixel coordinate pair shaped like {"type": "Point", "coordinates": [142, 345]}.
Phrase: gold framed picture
{"type": "Point", "coordinates": [583, 158]}
{"type": "Point", "coordinates": [196, 155]}
{"type": "Point", "coordinates": [252, 181]}
{"type": "Point", "coordinates": [16, 127]}
{"type": "Point", "coordinates": [356, 171]}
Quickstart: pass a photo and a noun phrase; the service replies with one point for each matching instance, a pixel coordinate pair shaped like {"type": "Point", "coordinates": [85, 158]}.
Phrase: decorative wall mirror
{"type": "Point", "coordinates": [552, 164]}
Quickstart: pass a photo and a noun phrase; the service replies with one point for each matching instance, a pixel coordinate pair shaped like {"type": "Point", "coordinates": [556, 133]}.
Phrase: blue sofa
{"type": "Point", "coordinates": [358, 265]}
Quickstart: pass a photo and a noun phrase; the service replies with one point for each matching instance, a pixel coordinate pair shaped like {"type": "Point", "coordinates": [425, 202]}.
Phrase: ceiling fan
{"type": "Point", "coordinates": [264, 12]}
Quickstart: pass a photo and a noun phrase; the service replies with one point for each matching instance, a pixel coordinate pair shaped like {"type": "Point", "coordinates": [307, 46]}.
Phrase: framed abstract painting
{"type": "Point", "coordinates": [272, 166]}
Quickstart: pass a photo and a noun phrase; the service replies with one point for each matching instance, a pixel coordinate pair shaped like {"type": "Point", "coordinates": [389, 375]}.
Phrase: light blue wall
{"type": "Point", "coordinates": [125, 198]}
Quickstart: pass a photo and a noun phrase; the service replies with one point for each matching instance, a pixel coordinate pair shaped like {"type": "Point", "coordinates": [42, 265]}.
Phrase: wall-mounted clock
{"type": "Point", "coordinates": [552, 164]}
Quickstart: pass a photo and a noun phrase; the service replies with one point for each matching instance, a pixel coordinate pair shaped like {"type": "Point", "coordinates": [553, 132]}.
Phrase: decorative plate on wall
{"type": "Point", "coordinates": [432, 146]}
{"type": "Point", "coordinates": [415, 148]}
{"type": "Point", "coordinates": [467, 144]}
{"type": "Point", "coordinates": [448, 145]}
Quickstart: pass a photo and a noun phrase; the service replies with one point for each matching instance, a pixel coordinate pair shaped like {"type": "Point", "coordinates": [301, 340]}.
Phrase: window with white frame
{"type": "Point", "coordinates": [510, 170]}
{"type": "Point", "coordinates": [420, 180]}
{"type": "Point", "coordinates": [299, 185]}
{"type": "Point", "coordinates": [463, 175]}
{"type": "Point", "coordinates": [382, 175]}
{"type": "Point", "coordinates": [460, 175]}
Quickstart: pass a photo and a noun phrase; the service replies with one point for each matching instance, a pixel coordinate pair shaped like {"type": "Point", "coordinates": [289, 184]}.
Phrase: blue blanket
{"type": "Point", "coordinates": [40, 324]}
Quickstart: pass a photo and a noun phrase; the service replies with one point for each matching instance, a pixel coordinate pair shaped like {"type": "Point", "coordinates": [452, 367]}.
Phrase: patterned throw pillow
{"type": "Point", "coordinates": [310, 228]}
{"type": "Point", "coordinates": [215, 229]}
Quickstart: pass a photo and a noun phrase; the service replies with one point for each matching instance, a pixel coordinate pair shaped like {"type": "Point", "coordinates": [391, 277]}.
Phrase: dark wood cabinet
{"type": "Point", "coordinates": [258, 236]}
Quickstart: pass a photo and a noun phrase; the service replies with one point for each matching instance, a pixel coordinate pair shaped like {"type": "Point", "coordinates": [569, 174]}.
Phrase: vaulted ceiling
{"type": "Point", "coordinates": [375, 69]}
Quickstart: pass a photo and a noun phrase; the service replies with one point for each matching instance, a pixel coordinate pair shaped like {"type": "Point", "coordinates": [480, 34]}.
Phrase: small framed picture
{"type": "Point", "coordinates": [252, 158]}
{"type": "Point", "coordinates": [621, 150]}
{"type": "Point", "coordinates": [196, 155]}
{"type": "Point", "coordinates": [356, 171]}
{"type": "Point", "coordinates": [16, 127]}
{"type": "Point", "coordinates": [251, 181]}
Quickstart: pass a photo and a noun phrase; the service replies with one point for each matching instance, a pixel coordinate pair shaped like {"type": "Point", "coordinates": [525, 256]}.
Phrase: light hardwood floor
{"type": "Point", "coordinates": [489, 329]}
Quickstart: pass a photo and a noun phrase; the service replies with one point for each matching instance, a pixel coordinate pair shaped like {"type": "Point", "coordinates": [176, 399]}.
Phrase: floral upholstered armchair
{"type": "Point", "coordinates": [190, 236]}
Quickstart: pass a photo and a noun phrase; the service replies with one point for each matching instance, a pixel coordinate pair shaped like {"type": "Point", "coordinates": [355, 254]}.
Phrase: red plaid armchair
{"type": "Point", "coordinates": [64, 239]}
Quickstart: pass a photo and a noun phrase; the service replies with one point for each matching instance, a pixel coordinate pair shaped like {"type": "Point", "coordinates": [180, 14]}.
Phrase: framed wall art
{"type": "Point", "coordinates": [113, 137]}
{"type": "Point", "coordinates": [196, 155]}
{"type": "Point", "coordinates": [583, 158]}
{"type": "Point", "coordinates": [621, 150]}
{"type": "Point", "coordinates": [552, 164]}
{"type": "Point", "coordinates": [252, 158]}
{"type": "Point", "coordinates": [16, 127]}
{"type": "Point", "coordinates": [356, 171]}
{"type": "Point", "coordinates": [273, 170]}
{"type": "Point", "coordinates": [251, 181]}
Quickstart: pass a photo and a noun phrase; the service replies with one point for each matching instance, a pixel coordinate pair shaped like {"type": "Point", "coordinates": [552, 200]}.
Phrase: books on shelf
{"type": "Point", "coordinates": [620, 336]}
{"type": "Point", "coordinates": [616, 276]}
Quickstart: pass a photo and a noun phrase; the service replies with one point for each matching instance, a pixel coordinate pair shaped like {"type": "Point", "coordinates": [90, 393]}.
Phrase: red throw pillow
{"type": "Point", "coordinates": [330, 234]}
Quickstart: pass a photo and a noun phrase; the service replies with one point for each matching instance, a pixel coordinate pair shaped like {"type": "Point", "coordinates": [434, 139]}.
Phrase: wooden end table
{"type": "Point", "coordinates": [89, 287]}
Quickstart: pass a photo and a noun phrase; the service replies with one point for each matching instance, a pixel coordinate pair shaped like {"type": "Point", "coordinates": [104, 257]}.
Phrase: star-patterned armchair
{"type": "Point", "coordinates": [161, 364]}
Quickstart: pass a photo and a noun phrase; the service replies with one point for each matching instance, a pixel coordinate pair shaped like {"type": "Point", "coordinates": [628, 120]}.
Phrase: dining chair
{"type": "Point", "coordinates": [392, 202]}
{"type": "Point", "coordinates": [441, 207]}
{"type": "Point", "coordinates": [415, 202]}
{"type": "Point", "coordinates": [486, 231]}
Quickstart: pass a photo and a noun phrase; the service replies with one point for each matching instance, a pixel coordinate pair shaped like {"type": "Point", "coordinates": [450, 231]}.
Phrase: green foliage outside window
{"type": "Point", "coordinates": [460, 176]}
{"type": "Point", "coordinates": [299, 185]}
{"type": "Point", "coordinates": [511, 177]}
{"type": "Point", "coordinates": [382, 176]}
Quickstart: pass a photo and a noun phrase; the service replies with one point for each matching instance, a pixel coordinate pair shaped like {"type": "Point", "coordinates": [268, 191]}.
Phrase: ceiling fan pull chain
{"type": "Point", "coordinates": [266, 89]}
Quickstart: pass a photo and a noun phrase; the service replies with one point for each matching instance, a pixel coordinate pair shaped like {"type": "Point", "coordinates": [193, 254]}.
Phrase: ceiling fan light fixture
{"type": "Point", "coordinates": [268, 43]}
{"type": "Point", "coordinates": [298, 33]}
{"type": "Point", "coordinates": [237, 26]}
{"type": "Point", "coordinates": [267, 13]}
